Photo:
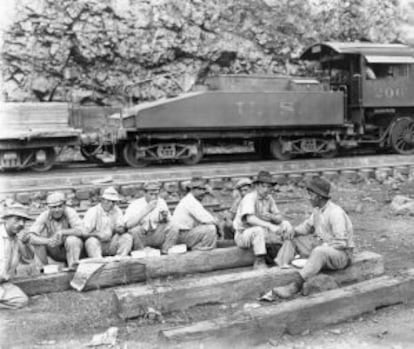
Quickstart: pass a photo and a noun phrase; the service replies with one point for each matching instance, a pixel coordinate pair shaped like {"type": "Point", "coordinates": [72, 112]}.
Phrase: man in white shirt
{"type": "Point", "coordinates": [57, 232]}
{"type": "Point", "coordinates": [148, 220]}
{"type": "Point", "coordinates": [326, 238]}
{"type": "Point", "coordinates": [197, 226]}
{"type": "Point", "coordinates": [104, 231]}
{"type": "Point", "coordinates": [13, 251]}
{"type": "Point", "coordinates": [258, 221]}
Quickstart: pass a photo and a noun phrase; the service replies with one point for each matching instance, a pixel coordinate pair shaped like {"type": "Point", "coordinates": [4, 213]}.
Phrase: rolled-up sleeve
{"type": "Point", "coordinates": [306, 227]}
{"type": "Point", "coordinates": [74, 221]}
{"type": "Point", "coordinates": [38, 227]}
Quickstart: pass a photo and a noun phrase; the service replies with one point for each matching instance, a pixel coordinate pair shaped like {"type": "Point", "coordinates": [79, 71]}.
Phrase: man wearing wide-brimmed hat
{"type": "Point", "coordinates": [326, 237]}
{"type": "Point", "coordinates": [242, 187]}
{"type": "Point", "coordinates": [197, 226]}
{"type": "Point", "coordinates": [104, 231]}
{"type": "Point", "coordinates": [148, 220]}
{"type": "Point", "coordinates": [258, 221]}
{"type": "Point", "coordinates": [57, 232]}
{"type": "Point", "coordinates": [12, 251]}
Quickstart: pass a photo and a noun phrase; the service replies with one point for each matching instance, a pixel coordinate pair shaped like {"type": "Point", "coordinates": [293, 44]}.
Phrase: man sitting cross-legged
{"type": "Point", "coordinates": [258, 220]}
{"type": "Point", "coordinates": [148, 220]}
{"type": "Point", "coordinates": [57, 232]}
{"type": "Point", "coordinates": [104, 231]}
{"type": "Point", "coordinates": [326, 237]}
{"type": "Point", "coordinates": [197, 226]}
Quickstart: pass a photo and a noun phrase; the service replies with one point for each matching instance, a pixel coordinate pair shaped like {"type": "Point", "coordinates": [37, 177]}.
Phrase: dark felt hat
{"type": "Point", "coordinates": [319, 186]}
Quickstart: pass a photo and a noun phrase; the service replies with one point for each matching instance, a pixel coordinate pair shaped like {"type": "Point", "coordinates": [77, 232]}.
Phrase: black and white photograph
{"type": "Point", "coordinates": [202, 174]}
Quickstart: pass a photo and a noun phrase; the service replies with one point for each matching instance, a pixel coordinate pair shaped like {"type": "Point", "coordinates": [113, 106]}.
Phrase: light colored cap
{"type": "Point", "coordinates": [152, 186]}
{"type": "Point", "coordinates": [55, 199]}
{"type": "Point", "coordinates": [197, 183]}
{"type": "Point", "coordinates": [111, 194]}
{"type": "Point", "coordinates": [17, 210]}
{"type": "Point", "coordinates": [243, 182]}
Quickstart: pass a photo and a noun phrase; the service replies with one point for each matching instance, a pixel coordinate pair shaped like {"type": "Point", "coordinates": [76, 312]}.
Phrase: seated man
{"type": "Point", "coordinates": [13, 249]}
{"type": "Point", "coordinates": [148, 220]}
{"type": "Point", "coordinates": [197, 227]}
{"type": "Point", "coordinates": [104, 231]}
{"type": "Point", "coordinates": [57, 232]}
{"type": "Point", "coordinates": [258, 220]}
{"type": "Point", "coordinates": [243, 186]}
{"type": "Point", "coordinates": [326, 237]}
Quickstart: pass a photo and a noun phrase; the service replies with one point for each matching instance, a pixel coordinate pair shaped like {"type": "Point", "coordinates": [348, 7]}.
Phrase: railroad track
{"type": "Point", "coordinates": [86, 178]}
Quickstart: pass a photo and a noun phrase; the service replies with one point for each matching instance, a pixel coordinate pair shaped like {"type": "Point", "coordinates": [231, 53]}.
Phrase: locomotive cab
{"type": "Point", "coordinates": [377, 83]}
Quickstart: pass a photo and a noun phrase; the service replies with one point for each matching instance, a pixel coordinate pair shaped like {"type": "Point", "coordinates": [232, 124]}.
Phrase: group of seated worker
{"type": "Point", "coordinates": [60, 234]}
{"type": "Point", "coordinates": [325, 238]}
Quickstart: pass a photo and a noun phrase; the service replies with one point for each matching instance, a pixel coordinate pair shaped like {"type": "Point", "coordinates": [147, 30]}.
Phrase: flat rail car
{"type": "Point", "coordinates": [31, 134]}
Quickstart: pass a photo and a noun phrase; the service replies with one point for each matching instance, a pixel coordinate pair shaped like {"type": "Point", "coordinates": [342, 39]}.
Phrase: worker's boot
{"type": "Point", "coordinates": [259, 263]}
{"type": "Point", "coordinates": [289, 290]}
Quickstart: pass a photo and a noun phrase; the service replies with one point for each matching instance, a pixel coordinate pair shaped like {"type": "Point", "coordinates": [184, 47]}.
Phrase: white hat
{"type": "Point", "coordinates": [111, 194]}
{"type": "Point", "coordinates": [55, 199]}
{"type": "Point", "coordinates": [17, 210]}
{"type": "Point", "coordinates": [243, 182]}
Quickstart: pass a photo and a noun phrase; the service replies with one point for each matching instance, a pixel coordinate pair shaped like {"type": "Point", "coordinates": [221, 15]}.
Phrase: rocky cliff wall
{"type": "Point", "coordinates": [118, 51]}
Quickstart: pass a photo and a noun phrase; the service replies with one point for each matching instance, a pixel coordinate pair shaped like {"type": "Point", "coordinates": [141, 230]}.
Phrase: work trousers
{"type": "Point", "coordinates": [12, 297]}
{"type": "Point", "coordinates": [257, 237]}
{"type": "Point", "coordinates": [203, 237]}
{"type": "Point", "coordinates": [119, 245]}
{"type": "Point", "coordinates": [319, 256]}
{"type": "Point", "coordinates": [164, 236]}
{"type": "Point", "coordinates": [69, 251]}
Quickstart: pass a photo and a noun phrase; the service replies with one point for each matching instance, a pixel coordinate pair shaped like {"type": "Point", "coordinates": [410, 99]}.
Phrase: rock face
{"type": "Point", "coordinates": [126, 51]}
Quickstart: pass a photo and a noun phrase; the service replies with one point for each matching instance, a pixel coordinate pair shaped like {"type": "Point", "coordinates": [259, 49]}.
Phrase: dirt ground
{"type": "Point", "coordinates": [69, 319]}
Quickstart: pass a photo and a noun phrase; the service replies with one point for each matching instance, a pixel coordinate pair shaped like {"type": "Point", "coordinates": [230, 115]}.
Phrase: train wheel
{"type": "Point", "coordinates": [48, 157]}
{"type": "Point", "coordinates": [88, 151]}
{"type": "Point", "coordinates": [195, 158]}
{"type": "Point", "coordinates": [131, 156]}
{"type": "Point", "coordinates": [402, 136]}
{"type": "Point", "coordinates": [276, 150]}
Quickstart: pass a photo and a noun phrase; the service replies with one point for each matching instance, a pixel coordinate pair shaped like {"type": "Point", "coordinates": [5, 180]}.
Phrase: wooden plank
{"type": "Point", "coordinates": [129, 270]}
{"type": "Point", "coordinates": [104, 274]}
{"type": "Point", "coordinates": [303, 313]}
{"type": "Point", "coordinates": [44, 283]}
{"type": "Point", "coordinates": [133, 301]}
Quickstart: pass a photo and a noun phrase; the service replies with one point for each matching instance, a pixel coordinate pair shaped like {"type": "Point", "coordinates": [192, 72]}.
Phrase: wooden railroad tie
{"type": "Point", "coordinates": [298, 315]}
{"type": "Point", "coordinates": [134, 300]}
{"type": "Point", "coordinates": [128, 270]}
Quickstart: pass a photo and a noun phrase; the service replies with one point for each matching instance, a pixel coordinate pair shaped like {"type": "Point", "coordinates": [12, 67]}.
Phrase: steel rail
{"type": "Point", "coordinates": [45, 182]}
